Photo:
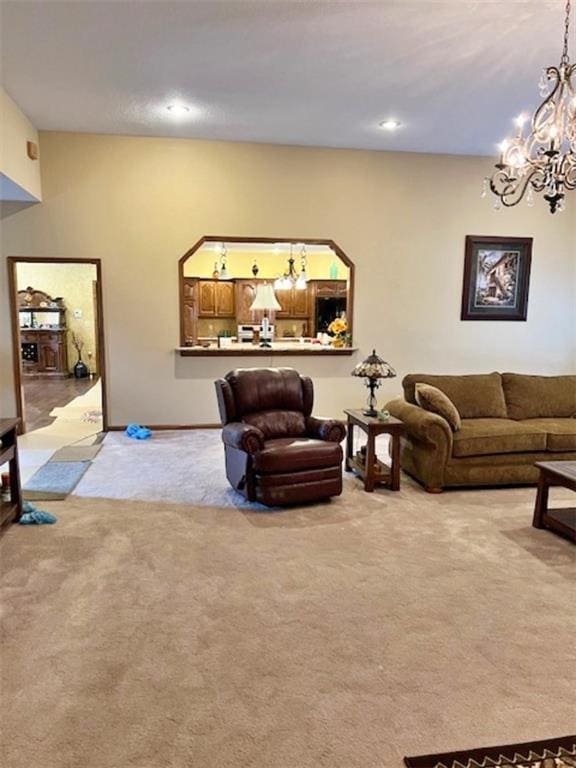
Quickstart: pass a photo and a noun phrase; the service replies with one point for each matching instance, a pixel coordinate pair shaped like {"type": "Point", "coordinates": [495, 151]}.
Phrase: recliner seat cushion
{"type": "Point", "coordinates": [560, 433]}
{"type": "Point", "coordinates": [294, 454]}
{"type": "Point", "coordinates": [278, 423]}
{"type": "Point", "coordinates": [474, 396]}
{"type": "Point", "coordinates": [539, 397]}
{"type": "Point", "coordinates": [479, 437]}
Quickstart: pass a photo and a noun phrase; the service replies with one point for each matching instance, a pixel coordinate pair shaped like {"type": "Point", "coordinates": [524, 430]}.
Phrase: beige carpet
{"type": "Point", "coordinates": [345, 635]}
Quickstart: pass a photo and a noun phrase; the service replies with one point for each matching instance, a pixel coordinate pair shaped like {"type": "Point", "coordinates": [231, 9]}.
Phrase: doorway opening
{"type": "Point", "coordinates": [58, 341]}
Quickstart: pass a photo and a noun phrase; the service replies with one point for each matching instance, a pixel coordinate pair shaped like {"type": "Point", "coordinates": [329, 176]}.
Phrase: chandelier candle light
{"type": "Point", "coordinates": [542, 159]}
{"type": "Point", "coordinates": [373, 369]}
{"type": "Point", "coordinates": [290, 278]}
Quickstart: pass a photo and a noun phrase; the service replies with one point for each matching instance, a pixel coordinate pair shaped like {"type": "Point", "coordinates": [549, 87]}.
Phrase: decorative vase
{"type": "Point", "coordinates": [338, 342]}
{"type": "Point", "coordinates": [81, 369]}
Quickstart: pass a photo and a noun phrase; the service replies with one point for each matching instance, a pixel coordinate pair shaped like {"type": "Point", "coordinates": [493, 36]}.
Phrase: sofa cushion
{"type": "Point", "coordinates": [433, 399]}
{"type": "Point", "coordinates": [560, 433]}
{"type": "Point", "coordinates": [474, 396]}
{"type": "Point", "coordinates": [293, 454]}
{"type": "Point", "coordinates": [534, 397]}
{"type": "Point", "coordinates": [479, 437]}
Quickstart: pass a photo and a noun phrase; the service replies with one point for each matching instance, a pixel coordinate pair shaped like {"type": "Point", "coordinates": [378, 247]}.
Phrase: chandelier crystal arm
{"type": "Point", "coordinates": [542, 161]}
{"type": "Point", "coordinates": [565, 60]}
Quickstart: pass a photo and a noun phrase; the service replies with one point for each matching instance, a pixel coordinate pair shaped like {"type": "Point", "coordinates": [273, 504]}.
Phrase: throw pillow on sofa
{"type": "Point", "coordinates": [433, 399]}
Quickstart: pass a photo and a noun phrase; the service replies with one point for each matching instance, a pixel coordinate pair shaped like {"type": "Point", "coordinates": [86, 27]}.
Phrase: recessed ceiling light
{"type": "Point", "coordinates": [390, 124]}
{"type": "Point", "coordinates": [178, 109]}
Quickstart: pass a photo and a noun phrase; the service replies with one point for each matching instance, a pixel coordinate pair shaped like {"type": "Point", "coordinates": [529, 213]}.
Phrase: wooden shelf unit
{"type": "Point", "coordinates": [43, 346]}
{"type": "Point", "coordinates": [10, 511]}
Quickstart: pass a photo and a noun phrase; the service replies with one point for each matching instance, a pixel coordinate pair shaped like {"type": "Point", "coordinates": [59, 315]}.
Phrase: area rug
{"type": "Point", "coordinates": [76, 453]}
{"type": "Point", "coordinates": [54, 480]}
{"type": "Point", "coordinates": [552, 753]}
{"type": "Point", "coordinates": [181, 466]}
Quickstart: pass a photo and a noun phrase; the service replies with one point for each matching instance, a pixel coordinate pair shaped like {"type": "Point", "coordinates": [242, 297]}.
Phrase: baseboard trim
{"type": "Point", "coordinates": [161, 427]}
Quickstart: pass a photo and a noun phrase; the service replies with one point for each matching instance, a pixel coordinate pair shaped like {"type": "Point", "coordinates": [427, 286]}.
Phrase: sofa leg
{"type": "Point", "coordinates": [431, 489]}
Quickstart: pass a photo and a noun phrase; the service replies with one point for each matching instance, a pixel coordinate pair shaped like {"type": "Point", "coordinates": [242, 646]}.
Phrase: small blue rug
{"type": "Point", "coordinates": [55, 480]}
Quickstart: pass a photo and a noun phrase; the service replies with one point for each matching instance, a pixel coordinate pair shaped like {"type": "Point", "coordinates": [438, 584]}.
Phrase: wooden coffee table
{"type": "Point", "coordinates": [365, 462]}
{"type": "Point", "coordinates": [561, 520]}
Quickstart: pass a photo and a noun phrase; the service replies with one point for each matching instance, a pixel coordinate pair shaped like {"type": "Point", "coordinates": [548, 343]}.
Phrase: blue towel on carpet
{"type": "Point", "coordinates": [137, 432]}
{"type": "Point", "coordinates": [33, 516]}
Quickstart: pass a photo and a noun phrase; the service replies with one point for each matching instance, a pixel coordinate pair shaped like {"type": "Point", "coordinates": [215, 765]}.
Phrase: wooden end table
{"type": "Point", "coordinates": [10, 510]}
{"type": "Point", "coordinates": [563, 519]}
{"type": "Point", "coordinates": [366, 463]}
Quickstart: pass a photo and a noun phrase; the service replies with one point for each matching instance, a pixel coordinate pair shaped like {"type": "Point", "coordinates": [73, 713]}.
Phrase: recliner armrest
{"type": "Point", "coordinates": [330, 430]}
{"type": "Point", "coordinates": [243, 436]}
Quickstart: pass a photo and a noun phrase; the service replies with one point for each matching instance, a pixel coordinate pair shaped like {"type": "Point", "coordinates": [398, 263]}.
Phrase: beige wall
{"type": "Point", "coordinates": [15, 131]}
{"type": "Point", "coordinates": [140, 203]}
{"type": "Point", "coordinates": [74, 283]}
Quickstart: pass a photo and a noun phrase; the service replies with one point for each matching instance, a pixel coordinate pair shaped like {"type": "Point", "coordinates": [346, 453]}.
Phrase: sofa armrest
{"type": "Point", "coordinates": [422, 426]}
{"type": "Point", "coordinates": [243, 436]}
{"type": "Point", "coordinates": [330, 430]}
{"type": "Point", "coordinates": [427, 446]}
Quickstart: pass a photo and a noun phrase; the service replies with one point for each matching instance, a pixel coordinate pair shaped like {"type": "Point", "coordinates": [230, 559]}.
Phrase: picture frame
{"type": "Point", "coordinates": [496, 278]}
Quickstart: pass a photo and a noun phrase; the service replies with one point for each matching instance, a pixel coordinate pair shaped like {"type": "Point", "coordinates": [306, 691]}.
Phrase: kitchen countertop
{"type": "Point", "coordinates": [278, 348]}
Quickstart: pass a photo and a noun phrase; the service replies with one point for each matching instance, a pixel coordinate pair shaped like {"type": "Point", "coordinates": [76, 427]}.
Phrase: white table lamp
{"type": "Point", "coordinates": [265, 300]}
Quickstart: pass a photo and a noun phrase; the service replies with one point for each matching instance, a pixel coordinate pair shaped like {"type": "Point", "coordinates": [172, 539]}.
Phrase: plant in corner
{"type": "Point", "coordinates": [80, 368]}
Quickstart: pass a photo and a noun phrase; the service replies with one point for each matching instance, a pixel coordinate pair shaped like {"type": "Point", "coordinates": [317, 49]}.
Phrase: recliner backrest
{"type": "Point", "coordinates": [276, 400]}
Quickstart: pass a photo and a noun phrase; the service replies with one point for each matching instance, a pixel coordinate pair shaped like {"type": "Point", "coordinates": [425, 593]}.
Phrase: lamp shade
{"type": "Point", "coordinates": [265, 297]}
{"type": "Point", "coordinates": [374, 368]}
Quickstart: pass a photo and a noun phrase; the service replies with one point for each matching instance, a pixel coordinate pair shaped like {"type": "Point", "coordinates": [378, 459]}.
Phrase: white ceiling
{"type": "Point", "coordinates": [299, 72]}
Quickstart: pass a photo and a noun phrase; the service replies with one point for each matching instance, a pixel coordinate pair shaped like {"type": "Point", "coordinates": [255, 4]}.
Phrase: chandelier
{"type": "Point", "coordinates": [542, 159]}
{"type": "Point", "coordinates": [290, 278]}
{"type": "Point", "coordinates": [223, 272]}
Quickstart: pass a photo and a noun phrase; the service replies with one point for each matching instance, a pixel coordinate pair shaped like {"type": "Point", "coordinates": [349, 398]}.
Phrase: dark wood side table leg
{"type": "Point", "coordinates": [15, 488]}
{"type": "Point", "coordinates": [369, 479]}
{"type": "Point", "coordinates": [541, 502]}
{"type": "Point", "coordinates": [349, 445]}
{"type": "Point", "coordinates": [395, 468]}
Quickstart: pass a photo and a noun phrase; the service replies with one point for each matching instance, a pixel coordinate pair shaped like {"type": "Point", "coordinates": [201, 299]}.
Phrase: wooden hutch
{"type": "Point", "coordinates": [42, 320]}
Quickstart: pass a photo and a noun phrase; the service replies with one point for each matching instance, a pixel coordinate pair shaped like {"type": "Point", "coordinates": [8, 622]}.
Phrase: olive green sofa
{"type": "Point", "coordinates": [509, 422]}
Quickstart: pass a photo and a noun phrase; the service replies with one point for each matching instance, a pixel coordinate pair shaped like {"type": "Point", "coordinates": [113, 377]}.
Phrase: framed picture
{"type": "Point", "coordinates": [496, 278]}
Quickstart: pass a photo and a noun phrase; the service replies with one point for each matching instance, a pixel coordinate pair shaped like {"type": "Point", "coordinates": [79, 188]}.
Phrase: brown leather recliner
{"type": "Point", "coordinates": [276, 452]}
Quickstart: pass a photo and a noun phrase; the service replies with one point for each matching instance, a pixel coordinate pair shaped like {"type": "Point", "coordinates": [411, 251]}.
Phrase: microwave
{"type": "Point", "coordinates": [245, 333]}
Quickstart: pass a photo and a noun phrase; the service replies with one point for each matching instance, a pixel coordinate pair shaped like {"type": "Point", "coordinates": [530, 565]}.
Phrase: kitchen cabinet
{"type": "Point", "coordinates": [216, 299]}
{"type": "Point", "coordinates": [295, 303]}
{"type": "Point", "coordinates": [245, 295]}
{"type": "Point", "coordinates": [301, 302]}
{"type": "Point", "coordinates": [190, 310]}
{"type": "Point", "coordinates": [328, 289]}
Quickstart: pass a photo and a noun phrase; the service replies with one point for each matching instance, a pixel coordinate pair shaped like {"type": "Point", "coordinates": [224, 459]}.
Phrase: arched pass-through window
{"type": "Point", "coordinates": [266, 296]}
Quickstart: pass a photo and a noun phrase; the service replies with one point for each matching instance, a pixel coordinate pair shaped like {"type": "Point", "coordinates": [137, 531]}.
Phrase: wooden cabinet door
{"type": "Point", "coordinates": [190, 289]}
{"type": "Point", "coordinates": [225, 300]}
{"type": "Point", "coordinates": [245, 295]}
{"type": "Point", "coordinates": [207, 299]}
{"type": "Point", "coordinates": [190, 310]}
{"type": "Point", "coordinates": [48, 357]}
{"type": "Point", "coordinates": [284, 296]}
{"type": "Point", "coordinates": [63, 355]}
{"type": "Point", "coordinates": [300, 302]}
